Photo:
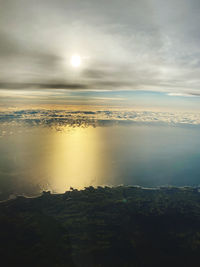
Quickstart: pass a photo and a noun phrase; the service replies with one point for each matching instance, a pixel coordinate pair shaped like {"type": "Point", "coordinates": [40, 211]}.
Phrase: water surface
{"type": "Point", "coordinates": [35, 157]}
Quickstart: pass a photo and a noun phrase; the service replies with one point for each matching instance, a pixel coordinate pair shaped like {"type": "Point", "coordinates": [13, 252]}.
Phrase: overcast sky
{"type": "Point", "coordinates": [130, 44]}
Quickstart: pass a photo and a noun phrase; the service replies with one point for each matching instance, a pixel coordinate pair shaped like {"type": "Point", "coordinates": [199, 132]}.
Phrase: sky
{"type": "Point", "coordinates": [125, 47]}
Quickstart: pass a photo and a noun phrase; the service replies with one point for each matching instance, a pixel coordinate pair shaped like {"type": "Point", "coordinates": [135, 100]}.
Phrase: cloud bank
{"type": "Point", "coordinates": [62, 120]}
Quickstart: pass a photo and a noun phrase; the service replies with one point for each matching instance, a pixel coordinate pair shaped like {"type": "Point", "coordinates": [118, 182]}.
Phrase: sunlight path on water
{"type": "Point", "coordinates": [76, 159]}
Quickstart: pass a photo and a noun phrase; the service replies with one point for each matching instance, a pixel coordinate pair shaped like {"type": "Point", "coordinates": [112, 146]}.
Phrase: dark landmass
{"type": "Point", "coordinates": [121, 226]}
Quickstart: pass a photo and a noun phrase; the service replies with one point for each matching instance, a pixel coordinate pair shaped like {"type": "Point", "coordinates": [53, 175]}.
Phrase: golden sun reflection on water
{"type": "Point", "coordinates": [76, 159]}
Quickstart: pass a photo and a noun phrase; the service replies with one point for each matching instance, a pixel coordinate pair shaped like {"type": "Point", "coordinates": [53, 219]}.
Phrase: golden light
{"type": "Point", "coordinates": [75, 61]}
{"type": "Point", "coordinates": [75, 159]}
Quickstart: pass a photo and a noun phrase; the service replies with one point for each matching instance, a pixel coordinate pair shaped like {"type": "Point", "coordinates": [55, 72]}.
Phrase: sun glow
{"type": "Point", "coordinates": [75, 61]}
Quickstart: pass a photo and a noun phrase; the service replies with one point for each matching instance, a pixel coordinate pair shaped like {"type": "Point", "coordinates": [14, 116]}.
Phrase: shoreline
{"type": "Point", "coordinates": [167, 187]}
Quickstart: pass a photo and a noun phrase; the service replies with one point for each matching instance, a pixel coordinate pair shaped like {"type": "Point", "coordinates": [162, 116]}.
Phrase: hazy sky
{"type": "Point", "coordinates": [124, 45]}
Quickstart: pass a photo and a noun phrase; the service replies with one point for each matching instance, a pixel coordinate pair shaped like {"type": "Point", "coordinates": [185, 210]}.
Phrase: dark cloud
{"type": "Point", "coordinates": [41, 86]}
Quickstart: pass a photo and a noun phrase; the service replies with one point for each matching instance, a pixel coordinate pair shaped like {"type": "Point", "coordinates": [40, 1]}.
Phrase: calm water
{"type": "Point", "coordinates": [42, 158]}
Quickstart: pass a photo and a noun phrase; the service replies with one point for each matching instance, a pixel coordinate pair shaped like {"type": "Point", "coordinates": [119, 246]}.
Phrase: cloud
{"type": "Point", "coordinates": [61, 119]}
{"type": "Point", "coordinates": [182, 94]}
{"type": "Point", "coordinates": [187, 94]}
{"type": "Point", "coordinates": [135, 45]}
{"type": "Point", "coordinates": [41, 85]}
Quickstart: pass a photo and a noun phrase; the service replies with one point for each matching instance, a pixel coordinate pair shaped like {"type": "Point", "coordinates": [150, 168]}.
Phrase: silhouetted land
{"type": "Point", "coordinates": [121, 226]}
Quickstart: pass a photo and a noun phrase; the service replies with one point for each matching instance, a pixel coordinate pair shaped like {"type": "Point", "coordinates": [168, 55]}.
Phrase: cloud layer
{"type": "Point", "coordinates": [138, 45]}
{"type": "Point", "coordinates": [62, 120]}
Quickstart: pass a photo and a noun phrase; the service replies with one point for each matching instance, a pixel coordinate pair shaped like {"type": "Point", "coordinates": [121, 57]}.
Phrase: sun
{"type": "Point", "coordinates": [75, 61]}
